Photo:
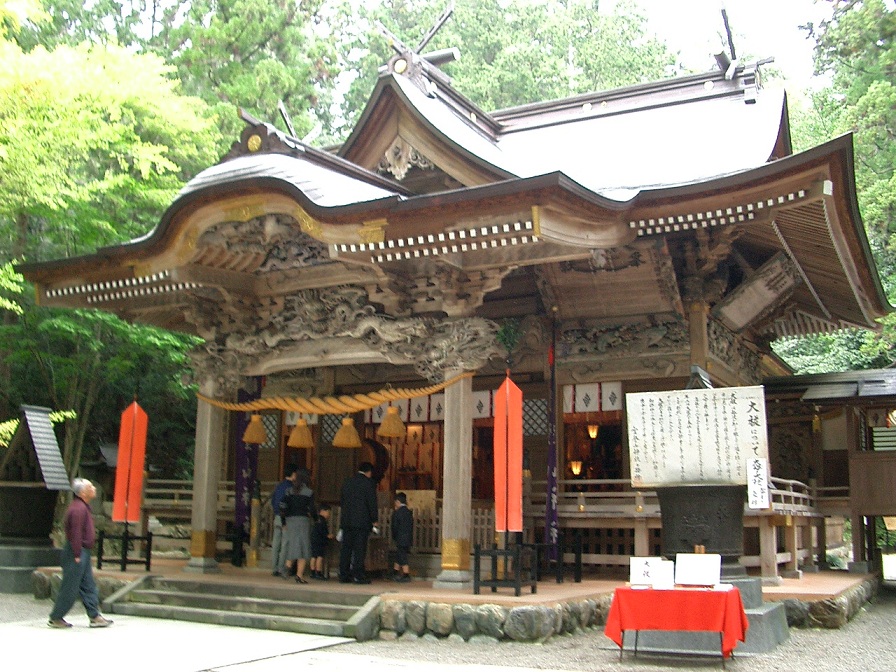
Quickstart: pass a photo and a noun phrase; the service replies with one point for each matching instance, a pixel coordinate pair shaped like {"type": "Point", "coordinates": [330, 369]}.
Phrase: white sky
{"type": "Point", "coordinates": [760, 29]}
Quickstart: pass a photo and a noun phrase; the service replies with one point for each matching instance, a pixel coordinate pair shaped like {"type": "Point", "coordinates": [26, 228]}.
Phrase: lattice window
{"type": "Point", "coordinates": [535, 417]}
{"type": "Point", "coordinates": [329, 425]}
{"type": "Point", "coordinates": [271, 424]}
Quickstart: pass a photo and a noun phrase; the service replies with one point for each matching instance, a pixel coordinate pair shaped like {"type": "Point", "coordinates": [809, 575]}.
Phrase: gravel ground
{"type": "Point", "coordinates": [866, 643]}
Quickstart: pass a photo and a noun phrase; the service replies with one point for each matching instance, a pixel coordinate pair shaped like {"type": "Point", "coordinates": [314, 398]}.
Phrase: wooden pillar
{"type": "Point", "coordinates": [821, 530]}
{"type": "Point", "coordinates": [768, 551]}
{"type": "Point", "coordinates": [698, 319]}
{"type": "Point", "coordinates": [791, 545]}
{"type": "Point", "coordinates": [457, 475]}
{"type": "Point", "coordinates": [210, 436]}
{"type": "Point", "coordinates": [809, 524]}
{"type": "Point", "coordinates": [858, 537]}
{"type": "Point", "coordinates": [855, 426]}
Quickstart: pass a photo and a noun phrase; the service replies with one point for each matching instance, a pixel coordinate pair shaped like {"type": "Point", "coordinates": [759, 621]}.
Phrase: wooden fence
{"type": "Point", "coordinates": [170, 500]}
{"type": "Point", "coordinates": [617, 521]}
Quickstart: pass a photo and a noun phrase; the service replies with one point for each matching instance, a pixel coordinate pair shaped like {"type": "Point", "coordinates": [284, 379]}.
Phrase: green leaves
{"type": "Point", "coordinates": [94, 364]}
{"type": "Point", "coordinates": [11, 287]}
{"type": "Point", "coordinates": [250, 54]}
{"type": "Point", "coordinates": [512, 53]}
{"type": "Point", "coordinates": [91, 155]}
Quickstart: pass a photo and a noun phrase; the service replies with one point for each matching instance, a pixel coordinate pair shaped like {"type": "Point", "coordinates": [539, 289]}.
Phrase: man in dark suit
{"type": "Point", "coordinates": [358, 516]}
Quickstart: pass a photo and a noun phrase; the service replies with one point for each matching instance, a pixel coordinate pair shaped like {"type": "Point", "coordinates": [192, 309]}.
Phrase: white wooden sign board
{"type": "Point", "coordinates": [698, 569]}
{"type": "Point", "coordinates": [695, 436]}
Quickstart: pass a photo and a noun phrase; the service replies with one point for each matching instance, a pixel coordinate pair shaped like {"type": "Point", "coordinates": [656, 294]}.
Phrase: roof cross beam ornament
{"type": "Point", "coordinates": [410, 62]}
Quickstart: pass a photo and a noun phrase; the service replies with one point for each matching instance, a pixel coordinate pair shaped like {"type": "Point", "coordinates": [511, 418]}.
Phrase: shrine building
{"type": "Point", "coordinates": [638, 234]}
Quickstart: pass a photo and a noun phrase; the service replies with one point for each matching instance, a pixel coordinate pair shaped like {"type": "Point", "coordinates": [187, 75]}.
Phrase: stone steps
{"type": "Point", "coordinates": [269, 607]}
{"type": "Point", "coordinates": [244, 604]}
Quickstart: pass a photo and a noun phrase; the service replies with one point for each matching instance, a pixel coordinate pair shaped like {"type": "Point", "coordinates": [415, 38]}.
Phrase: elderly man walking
{"type": "Point", "coordinates": [77, 573]}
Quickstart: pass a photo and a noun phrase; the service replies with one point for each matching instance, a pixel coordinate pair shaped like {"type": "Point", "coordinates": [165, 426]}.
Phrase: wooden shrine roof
{"type": "Point", "coordinates": [606, 207]}
{"type": "Point", "coordinates": [615, 143]}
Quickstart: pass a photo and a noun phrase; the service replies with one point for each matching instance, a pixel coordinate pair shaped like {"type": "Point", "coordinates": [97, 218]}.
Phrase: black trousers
{"type": "Point", "coordinates": [353, 552]}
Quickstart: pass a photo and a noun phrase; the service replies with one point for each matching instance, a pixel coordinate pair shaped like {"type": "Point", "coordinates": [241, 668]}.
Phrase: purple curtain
{"type": "Point", "coordinates": [246, 464]}
{"type": "Point", "coordinates": [551, 520]}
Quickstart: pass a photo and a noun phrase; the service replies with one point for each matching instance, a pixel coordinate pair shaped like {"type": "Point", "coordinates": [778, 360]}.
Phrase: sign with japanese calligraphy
{"type": "Point", "coordinates": [757, 483]}
{"type": "Point", "coordinates": [695, 436]}
{"type": "Point", "coordinates": [651, 572]}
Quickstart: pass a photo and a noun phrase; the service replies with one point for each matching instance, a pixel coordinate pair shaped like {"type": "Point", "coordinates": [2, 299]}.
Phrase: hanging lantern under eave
{"type": "Point", "coordinates": [347, 436]}
{"type": "Point", "coordinates": [391, 426]}
{"type": "Point", "coordinates": [255, 432]}
{"type": "Point", "coordinates": [593, 431]}
{"type": "Point", "coordinates": [300, 436]}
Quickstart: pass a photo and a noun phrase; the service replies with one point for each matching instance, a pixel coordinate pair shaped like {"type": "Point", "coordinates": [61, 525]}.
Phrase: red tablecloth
{"type": "Point", "coordinates": [679, 609]}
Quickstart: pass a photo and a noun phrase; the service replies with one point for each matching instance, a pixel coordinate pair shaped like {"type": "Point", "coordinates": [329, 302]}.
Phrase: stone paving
{"type": "Point", "coordinates": [865, 643]}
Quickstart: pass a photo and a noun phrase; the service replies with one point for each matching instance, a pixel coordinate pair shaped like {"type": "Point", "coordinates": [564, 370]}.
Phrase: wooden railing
{"type": "Point", "coordinates": [176, 496]}
{"type": "Point", "coordinates": [619, 521]}
{"type": "Point", "coordinates": [428, 527]}
{"type": "Point", "coordinates": [611, 498]}
{"type": "Point", "coordinates": [598, 504]}
{"type": "Point", "coordinates": [833, 500]}
{"type": "Point", "coordinates": [173, 499]}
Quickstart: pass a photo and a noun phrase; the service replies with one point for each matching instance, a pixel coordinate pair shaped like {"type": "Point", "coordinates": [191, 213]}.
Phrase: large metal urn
{"type": "Point", "coordinates": [706, 516]}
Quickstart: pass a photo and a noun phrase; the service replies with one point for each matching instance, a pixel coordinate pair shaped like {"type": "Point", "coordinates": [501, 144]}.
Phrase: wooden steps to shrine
{"type": "Point", "coordinates": [289, 608]}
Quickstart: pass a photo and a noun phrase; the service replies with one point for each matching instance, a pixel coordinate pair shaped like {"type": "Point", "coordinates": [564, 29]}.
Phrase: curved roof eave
{"type": "Point", "coordinates": [192, 201]}
{"type": "Point", "coordinates": [838, 156]}
{"type": "Point", "coordinates": [544, 189]}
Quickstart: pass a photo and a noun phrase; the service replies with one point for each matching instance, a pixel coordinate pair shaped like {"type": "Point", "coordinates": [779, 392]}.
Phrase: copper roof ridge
{"type": "Point", "coordinates": [722, 87]}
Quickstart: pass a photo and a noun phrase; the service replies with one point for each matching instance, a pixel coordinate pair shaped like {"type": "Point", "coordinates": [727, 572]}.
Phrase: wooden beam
{"type": "Point", "coordinates": [233, 282]}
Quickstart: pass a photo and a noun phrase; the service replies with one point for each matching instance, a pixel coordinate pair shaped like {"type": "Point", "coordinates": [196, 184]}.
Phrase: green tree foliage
{"type": "Point", "coordinates": [846, 350]}
{"type": "Point", "coordinates": [250, 54]}
{"type": "Point", "coordinates": [11, 286]}
{"type": "Point", "coordinates": [512, 53]}
{"type": "Point", "coordinates": [95, 364]}
{"type": "Point", "coordinates": [856, 50]}
{"type": "Point", "coordinates": [91, 155]}
{"type": "Point", "coordinates": [232, 54]}
{"type": "Point", "coordinates": [72, 22]}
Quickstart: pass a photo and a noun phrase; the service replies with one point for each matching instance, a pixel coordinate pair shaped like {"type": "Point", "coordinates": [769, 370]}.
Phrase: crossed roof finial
{"type": "Point", "coordinates": [404, 52]}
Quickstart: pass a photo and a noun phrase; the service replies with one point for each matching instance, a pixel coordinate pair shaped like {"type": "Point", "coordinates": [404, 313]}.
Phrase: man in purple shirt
{"type": "Point", "coordinates": [77, 573]}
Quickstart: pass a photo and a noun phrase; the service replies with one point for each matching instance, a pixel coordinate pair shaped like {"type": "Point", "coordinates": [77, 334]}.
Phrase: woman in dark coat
{"type": "Point", "coordinates": [297, 510]}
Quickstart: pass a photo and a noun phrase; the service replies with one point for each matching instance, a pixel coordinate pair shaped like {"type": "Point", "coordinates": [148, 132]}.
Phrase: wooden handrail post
{"type": "Point", "coordinates": [254, 522]}
{"type": "Point", "coordinates": [642, 535]}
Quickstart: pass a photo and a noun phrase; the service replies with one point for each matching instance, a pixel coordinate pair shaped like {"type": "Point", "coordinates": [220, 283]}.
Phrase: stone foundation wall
{"type": "Point", "coordinates": [400, 620]}
{"type": "Point", "coordinates": [46, 585]}
{"type": "Point", "coordinates": [489, 622]}
{"type": "Point", "coordinates": [834, 612]}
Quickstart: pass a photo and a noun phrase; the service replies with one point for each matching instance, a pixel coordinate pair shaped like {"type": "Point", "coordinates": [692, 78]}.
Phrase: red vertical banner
{"type": "Point", "coordinates": [508, 457]}
{"type": "Point", "coordinates": [129, 470]}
